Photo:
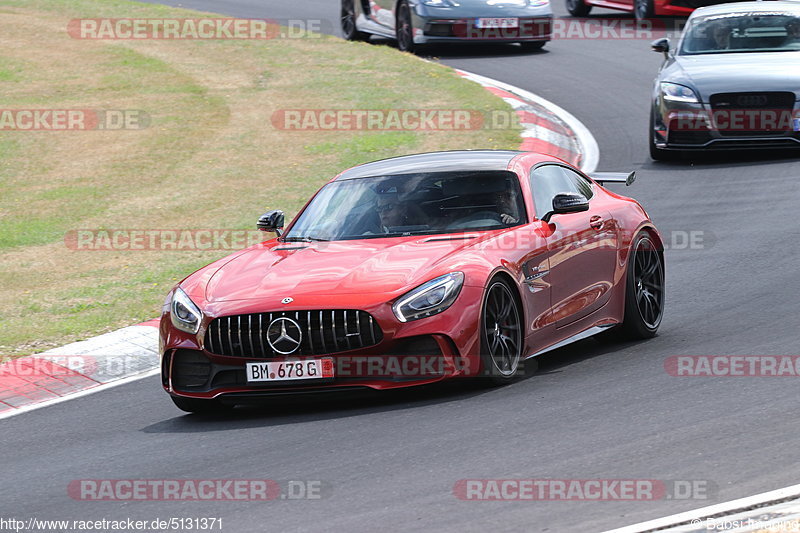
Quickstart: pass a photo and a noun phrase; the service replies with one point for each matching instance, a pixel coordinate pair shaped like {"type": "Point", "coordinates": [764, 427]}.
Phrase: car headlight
{"type": "Point", "coordinates": [429, 298]}
{"type": "Point", "coordinates": [678, 93]}
{"type": "Point", "coordinates": [438, 3]}
{"type": "Point", "coordinates": [184, 313]}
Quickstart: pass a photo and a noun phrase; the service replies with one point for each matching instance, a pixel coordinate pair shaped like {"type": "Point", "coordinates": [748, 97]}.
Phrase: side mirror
{"type": "Point", "coordinates": [271, 221]}
{"type": "Point", "coordinates": [567, 202]}
{"type": "Point", "coordinates": [661, 45]}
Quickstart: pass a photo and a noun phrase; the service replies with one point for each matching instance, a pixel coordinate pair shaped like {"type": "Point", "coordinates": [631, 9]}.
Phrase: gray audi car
{"type": "Point", "coordinates": [732, 81]}
{"type": "Point", "coordinates": [415, 23]}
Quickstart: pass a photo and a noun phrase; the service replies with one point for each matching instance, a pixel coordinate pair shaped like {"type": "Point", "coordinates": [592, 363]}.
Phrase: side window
{"type": "Point", "coordinates": [581, 184]}
{"type": "Point", "coordinates": [549, 180]}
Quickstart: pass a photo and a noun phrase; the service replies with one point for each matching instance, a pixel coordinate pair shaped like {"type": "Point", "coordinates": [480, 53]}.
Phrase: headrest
{"type": "Point", "coordinates": [474, 184]}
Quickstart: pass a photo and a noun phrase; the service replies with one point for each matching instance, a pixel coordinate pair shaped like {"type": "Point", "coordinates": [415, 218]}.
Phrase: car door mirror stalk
{"type": "Point", "coordinates": [271, 221]}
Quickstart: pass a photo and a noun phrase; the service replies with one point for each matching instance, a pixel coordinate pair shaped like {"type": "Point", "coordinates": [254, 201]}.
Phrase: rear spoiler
{"type": "Point", "coordinates": [613, 177]}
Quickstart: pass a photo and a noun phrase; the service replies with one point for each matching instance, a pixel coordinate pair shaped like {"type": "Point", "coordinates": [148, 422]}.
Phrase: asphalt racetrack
{"type": "Point", "coordinates": [592, 411]}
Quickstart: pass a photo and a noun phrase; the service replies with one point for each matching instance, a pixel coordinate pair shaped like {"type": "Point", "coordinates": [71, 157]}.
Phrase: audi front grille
{"type": "Point", "coordinates": [776, 101]}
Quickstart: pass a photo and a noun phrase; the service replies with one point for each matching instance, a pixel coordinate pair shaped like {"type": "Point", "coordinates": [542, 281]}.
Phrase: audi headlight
{"type": "Point", "coordinates": [429, 298]}
{"type": "Point", "coordinates": [184, 313]}
{"type": "Point", "coordinates": [678, 93]}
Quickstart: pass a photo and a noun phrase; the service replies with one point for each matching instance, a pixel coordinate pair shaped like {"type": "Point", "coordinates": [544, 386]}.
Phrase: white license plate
{"type": "Point", "coordinates": [290, 370]}
{"type": "Point", "coordinates": [497, 23]}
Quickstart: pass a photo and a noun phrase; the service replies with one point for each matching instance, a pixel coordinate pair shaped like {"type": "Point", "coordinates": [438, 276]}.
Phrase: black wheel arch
{"type": "Point", "coordinates": [513, 283]}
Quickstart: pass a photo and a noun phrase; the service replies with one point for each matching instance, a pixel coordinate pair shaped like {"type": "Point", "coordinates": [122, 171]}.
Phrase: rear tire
{"type": "Point", "coordinates": [198, 405]}
{"type": "Point", "coordinates": [644, 289]}
{"type": "Point", "coordinates": [578, 8]}
{"type": "Point", "coordinates": [348, 22]}
{"type": "Point", "coordinates": [501, 334]}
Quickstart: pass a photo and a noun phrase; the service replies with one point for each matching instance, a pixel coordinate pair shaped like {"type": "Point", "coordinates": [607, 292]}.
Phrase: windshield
{"type": "Point", "coordinates": [409, 204]}
{"type": "Point", "coordinates": [742, 32]}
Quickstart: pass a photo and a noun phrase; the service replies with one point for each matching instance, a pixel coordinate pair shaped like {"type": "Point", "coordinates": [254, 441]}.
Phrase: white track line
{"type": "Point", "coordinates": [589, 149]}
{"type": "Point", "coordinates": [741, 504]}
{"type": "Point", "coordinates": [84, 392]}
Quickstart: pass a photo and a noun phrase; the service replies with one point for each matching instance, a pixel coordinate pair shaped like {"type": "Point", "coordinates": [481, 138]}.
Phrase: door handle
{"type": "Point", "coordinates": [596, 222]}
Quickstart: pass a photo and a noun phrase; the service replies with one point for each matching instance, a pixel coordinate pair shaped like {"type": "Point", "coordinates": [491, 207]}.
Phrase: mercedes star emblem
{"type": "Point", "coordinates": [284, 335]}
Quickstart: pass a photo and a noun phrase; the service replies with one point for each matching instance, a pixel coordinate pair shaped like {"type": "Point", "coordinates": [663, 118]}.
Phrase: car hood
{"type": "Point", "coordinates": [273, 270]}
{"type": "Point", "coordinates": [725, 73]}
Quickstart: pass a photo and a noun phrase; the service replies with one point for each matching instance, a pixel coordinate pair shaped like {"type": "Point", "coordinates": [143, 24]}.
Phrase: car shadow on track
{"type": "Point", "coordinates": [478, 51]}
{"type": "Point", "coordinates": [467, 50]}
{"type": "Point", "coordinates": [299, 409]}
{"type": "Point", "coordinates": [285, 410]}
{"type": "Point", "coordinates": [725, 159]}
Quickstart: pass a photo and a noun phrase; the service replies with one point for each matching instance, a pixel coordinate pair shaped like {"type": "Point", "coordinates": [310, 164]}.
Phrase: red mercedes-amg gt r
{"type": "Point", "coordinates": [412, 270]}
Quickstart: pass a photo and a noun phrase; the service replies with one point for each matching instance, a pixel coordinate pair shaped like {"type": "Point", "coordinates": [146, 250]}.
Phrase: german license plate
{"type": "Point", "coordinates": [289, 370]}
{"type": "Point", "coordinates": [497, 23]}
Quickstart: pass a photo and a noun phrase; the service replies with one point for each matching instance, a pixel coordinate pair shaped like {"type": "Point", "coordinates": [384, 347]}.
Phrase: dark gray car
{"type": "Point", "coordinates": [731, 82]}
{"type": "Point", "coordinates": [417, 22]}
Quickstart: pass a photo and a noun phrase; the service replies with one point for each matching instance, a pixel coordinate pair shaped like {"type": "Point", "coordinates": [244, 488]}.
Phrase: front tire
{"type": "Point", "coordinates": [199, 406]}
{"type": "Point", "coordinates": [348, 22]}
{"type": "Point", "coordinates": [578, 8]}
{"type": "Point", "coordinates": [404, 28]}
{"type": "Point", "coordinates": [501, 333]}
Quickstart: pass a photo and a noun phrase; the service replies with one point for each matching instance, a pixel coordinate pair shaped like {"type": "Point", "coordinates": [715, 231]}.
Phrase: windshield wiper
{"type": "Point", "coordinates": [303, 239]}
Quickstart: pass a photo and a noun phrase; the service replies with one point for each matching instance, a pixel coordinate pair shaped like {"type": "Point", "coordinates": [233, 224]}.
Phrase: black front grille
{"type": "Point", "coordinates": [759, 113]}
{"type": "Point", "coordinates": [751, 100]}
{"type": "Point", "coordinates": [322, 332]}
{"type": "Point", "coordinates": [439, 30]}
{"type": "Point", "coordinates": [190, 369]}
{"type": "Point", "coordinates": [422, 346]}
{"type": "Point", "coordinates": [465, 29]}
{"type": "Point", "coordinates": [688, 137]}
